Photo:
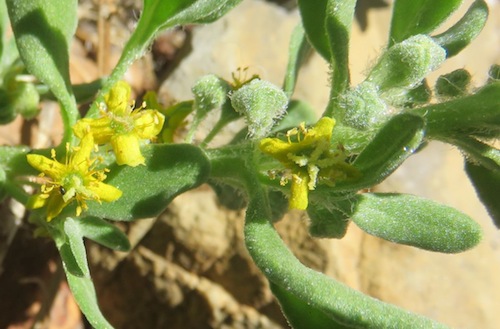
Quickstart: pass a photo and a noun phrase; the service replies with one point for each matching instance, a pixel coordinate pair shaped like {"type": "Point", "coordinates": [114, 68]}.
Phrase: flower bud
{"type": "Point", "coordinates": [209, 92]}
{"type": "Point", "coordinates": [262, 103]}
{"type": "Point", "coordinates": [407, 63]}
{"type": "Point", "coordinates": [25, 100]}
{"type": "Point", "coordinates": [453, 84]}
{"type": "Point", "coordinates": [362, 107]}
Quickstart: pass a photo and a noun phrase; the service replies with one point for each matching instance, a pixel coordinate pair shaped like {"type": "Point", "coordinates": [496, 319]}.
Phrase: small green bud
{"type": "Point", "coordinates": [25, 99]}
{"type": "Point", "coordinates": [19, 98]}
{"type": "Point", "coordinates": [362, 107]}
{"type": "Point", "coordinates": [407, 63]}
{"type": "Point", "coordinates": [209, 92]}
{"type": "Point", "coordinates": [262, 103]}
{"type": "Point", "coordinates": [453, 84]}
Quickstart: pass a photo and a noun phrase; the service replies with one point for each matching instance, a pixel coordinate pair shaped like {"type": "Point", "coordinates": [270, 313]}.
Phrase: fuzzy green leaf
{"type": "Point", "coordinates": [298, 51]}
{"type": "Point", "coordinates": [415, 221]}
{"type": "Point", "coordinates": [328, 26]}
{"type": "Point", "coordinates": [478, 152]}
{"type": "Point", "coordinates": [299, 314]}
{"type": "Point", "coordinates": [313, 18]}
{"type": "Point", "coordinates": [75, 243]}
{"type": "Point", "coordinates": [477, 113]}
{"type": "Point", "coordinates": [104, 233]}
{"type": "Point", "coordinates": [412, 17]}
{"type": "Point", "coordinates": [339, 17]}
{"type": "Point", "coordinates": [465, 30]}
{"type": "Point", "coordinates": [327, 222]}
{"type": "Point", "coordinates": [4, 22]}
{"type": "Point", "coordinates": [487, 184]}
{"type": "Point", "coordinates": [43, 32]}
{"type": "Point", "coordinates": [391, 146]}
{"type": "Point", "coordinates": [147, 190]}
{"type": "Point", "coordinates": [82, 287]}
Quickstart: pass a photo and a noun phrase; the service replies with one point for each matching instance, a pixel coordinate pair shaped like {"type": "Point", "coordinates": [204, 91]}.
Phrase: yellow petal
{"type": "Point", "coordinates": [48, 166]}
{"type": "Point", "coordinates": [55, 205]}
{"type": "Point", "coordinates": [118, 98]}
{"type": "Point", "coordinates": [299, 192]}
{"type": "Point", "coordinates": [276, 148]}
{"type": "Point", "coordinates": [321, 130]}
{"type": "Point", "coordinates": [100, 129]}
{"type": "Point", "coordinates": [127, 150]}
{"type": "Point", "coordinates": [81, 157]}
{"type": "Point", "coordinates": [148, 123]}
{"type": "Point", "coordinates": [105, 192]}
{"type": "Point", "coordinates": [37, 201]}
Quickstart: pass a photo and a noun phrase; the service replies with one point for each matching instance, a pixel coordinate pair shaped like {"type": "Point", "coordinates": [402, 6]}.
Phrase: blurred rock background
{"type": "Point", "coordinates": [189, 267]}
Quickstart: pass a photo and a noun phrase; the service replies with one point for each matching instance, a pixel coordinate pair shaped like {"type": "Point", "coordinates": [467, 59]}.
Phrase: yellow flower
{"type": "Point", "coordinates": [73, 180]}
{"type": "Point", "coordinates": [122, 125]}
{"type": "Point", "coordinates": [310, 159]}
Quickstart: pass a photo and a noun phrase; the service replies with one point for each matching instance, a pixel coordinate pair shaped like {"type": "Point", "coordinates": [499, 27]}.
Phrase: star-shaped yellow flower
{"type": "Point", "coordinates": [73, 180]}
{"type": "Point", "coordinates": [309, 160]}
{"type": "Point", "coordinates": [122, 125]}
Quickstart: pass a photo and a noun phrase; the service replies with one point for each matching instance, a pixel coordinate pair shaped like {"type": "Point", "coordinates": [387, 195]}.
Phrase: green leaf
{"type": "Point", "coordinates": [4, 22]}
{"type": "Point", "coordinates": [339, 17]}
{"type": "Point", "coordinates": [104, 233]}
{"type": "Point", "coordinates": [327, 221]}
{"type": "Point", "coordinates": [465, 30]}
{"type": "Point", "coordinates": [412, 17]}
{"type": "Point", "coordinates": [313, 18]}
{"type": "Point", "coordinates": [83, 290]}
{"type": "Point", "coordinates": [487, 184]}
{"type": "Point", "coordinates": [391, 146]}
{"type": "Point", "coordinates": [415, 221]}
{"type": "Point", "coordinates": [43, 31]}
{"type": "Point", "coordinates": [82, 287]}
{"type": "Point", "coordinates": [477, 113]}
{"type": "Point", "coordinates": [298, 51]}
{"type": "Point", "coordinates": [478, 152]}
{"type": "Point", "coordinates": [299, 314]}
{"type": "Point", "coordinates": [147, 190]}
{"type": "Point", "coordinates": [453, 84]}
{"type": "Point", "coordinates": [75, 243]}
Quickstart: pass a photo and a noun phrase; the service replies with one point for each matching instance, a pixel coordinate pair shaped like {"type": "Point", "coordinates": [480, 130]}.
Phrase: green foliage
{"type": "Point", "coordinates": [412, 17]}
{"type": "Point", "coordinates": [43, 32]}
{"type": "Point", "coordinates": [486, 182]}
{"type": "Point", "coordinates": [147, 190]}
{"type": "Point", "coordinates": [378, 124]}
{"type": "Point", "coordinates": [465, 30]}
{"type": "Point", "coordinates": [414, 221]}
{"type": "Point", "coordinates": [453, 84]}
